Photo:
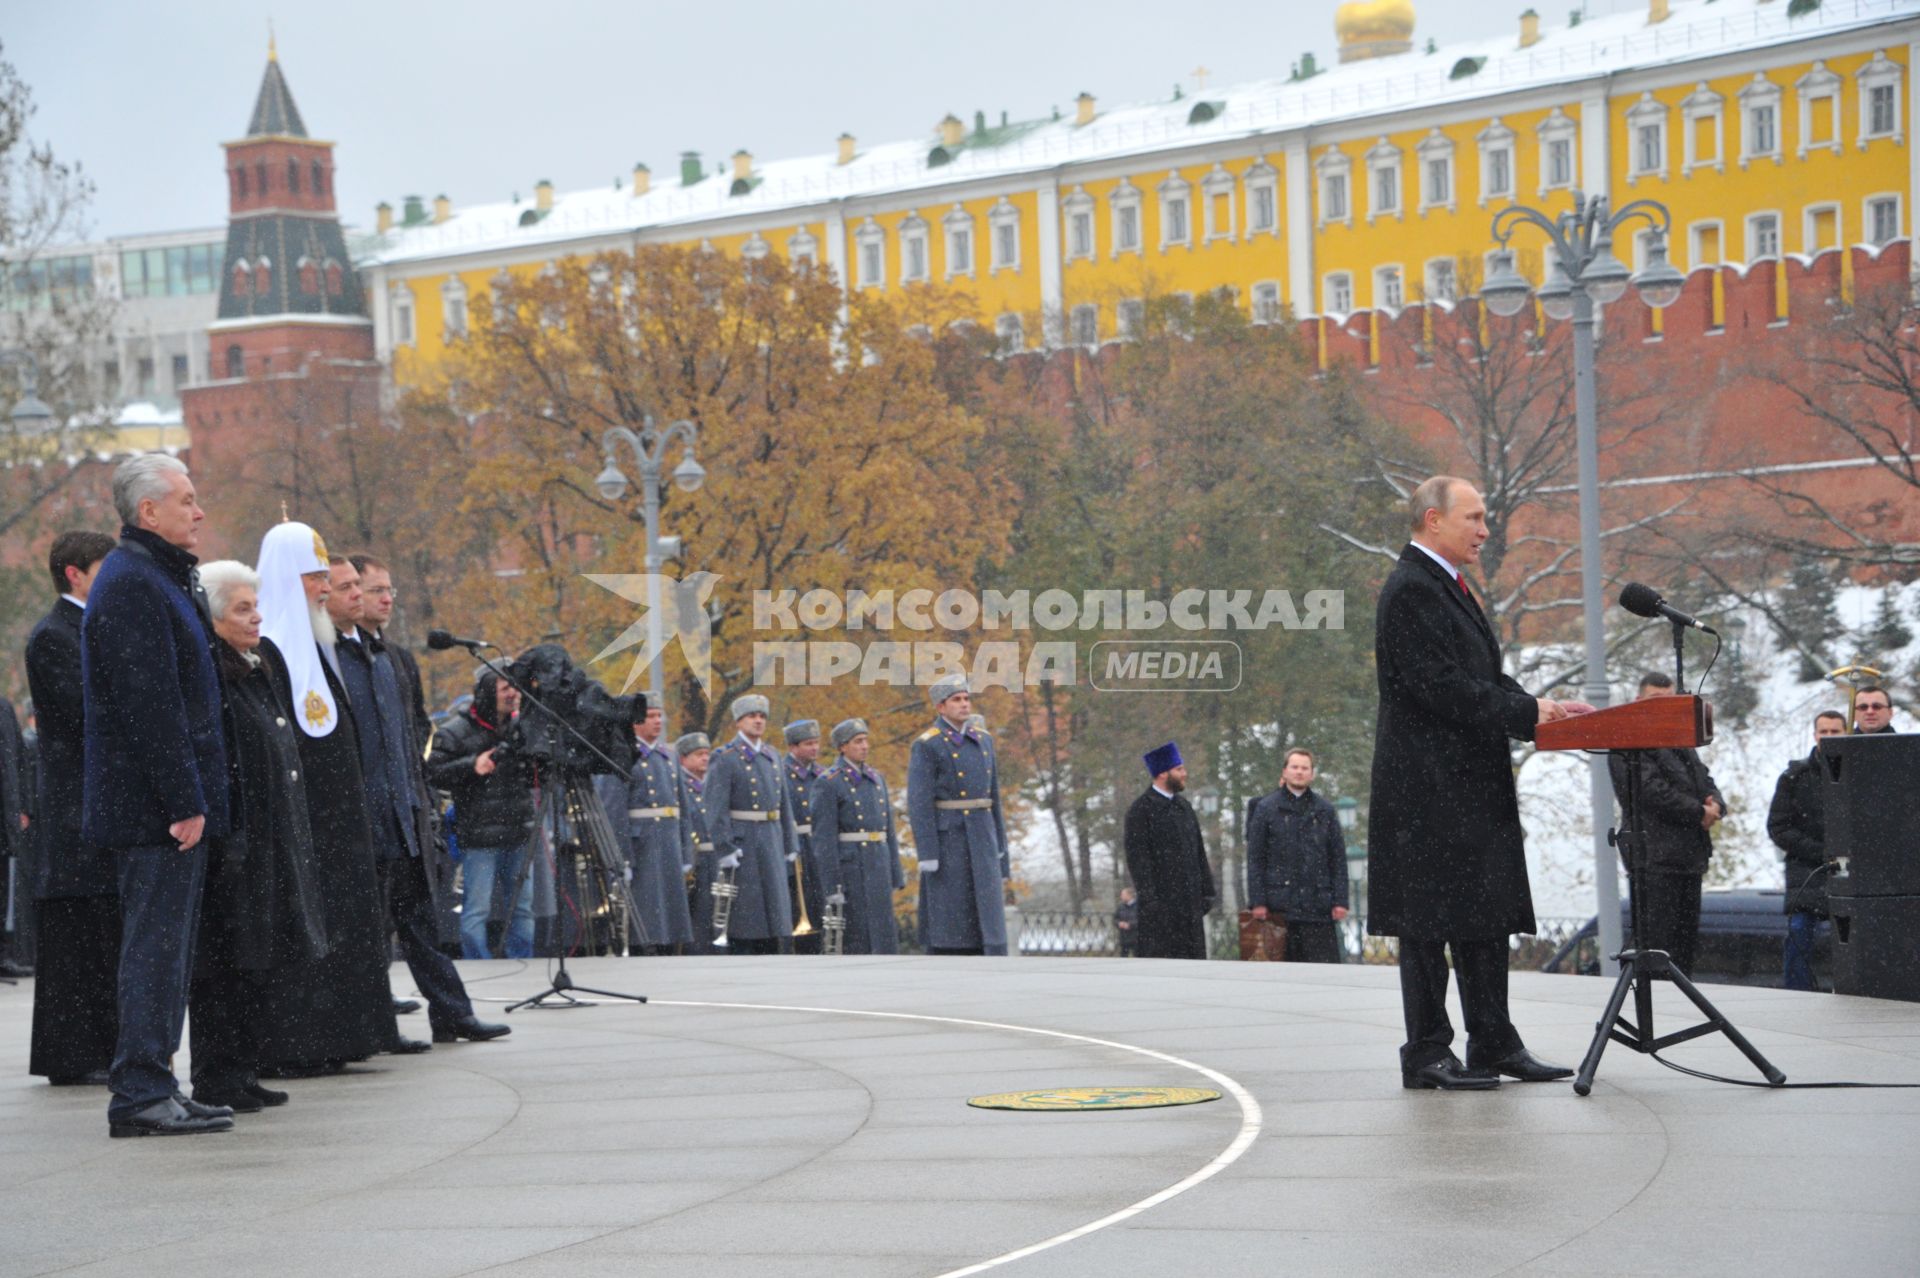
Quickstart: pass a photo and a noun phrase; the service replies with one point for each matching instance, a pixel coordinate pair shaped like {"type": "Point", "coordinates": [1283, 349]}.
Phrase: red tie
{"type": "Point", "coordinates": [1461, 581]}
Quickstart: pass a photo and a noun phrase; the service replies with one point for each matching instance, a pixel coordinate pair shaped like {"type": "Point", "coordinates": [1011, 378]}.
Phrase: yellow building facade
{"type": "Point", "coordinates": [1769, 128]}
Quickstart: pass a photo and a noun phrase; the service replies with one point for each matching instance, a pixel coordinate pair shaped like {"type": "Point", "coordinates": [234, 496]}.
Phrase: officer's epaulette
{"type": "Point", "coordinates": [928, 735]}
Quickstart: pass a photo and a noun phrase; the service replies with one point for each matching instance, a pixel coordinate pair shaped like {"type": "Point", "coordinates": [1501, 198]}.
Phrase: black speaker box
{"type": "Point", "coordinates": [1873, 813]}
{"type": "Point", "coordinates": [1876, 946]}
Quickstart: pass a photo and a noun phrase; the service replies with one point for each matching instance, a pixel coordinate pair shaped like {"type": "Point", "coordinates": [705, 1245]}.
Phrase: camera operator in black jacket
{"type": "Point", "coordinates": [492, 789]}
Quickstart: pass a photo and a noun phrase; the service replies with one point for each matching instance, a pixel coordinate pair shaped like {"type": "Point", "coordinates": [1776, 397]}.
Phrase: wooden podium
{"type": "Point", "coordinates": [1678, 721]}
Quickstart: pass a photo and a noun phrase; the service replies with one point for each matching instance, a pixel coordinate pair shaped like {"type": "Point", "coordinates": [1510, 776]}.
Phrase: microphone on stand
{"type": "Point", "coordinates": [440, 641]}
{"type": "Point", "coordinates": [1641, 601]}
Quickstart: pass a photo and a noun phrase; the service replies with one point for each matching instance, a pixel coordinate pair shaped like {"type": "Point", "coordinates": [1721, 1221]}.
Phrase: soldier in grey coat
{"type": "Point", "coordinates": [659, 849]}
{"type": "Point", "coordinates": [751, 816]}
{"type": "Point", "coordinates": [857, 848]}
{"type": "Point", "coordinates": [953, 804]}
{"type": "Point", "coordinates": [803, 769]}
{"type": "Point", "coordinates": [695, 752]}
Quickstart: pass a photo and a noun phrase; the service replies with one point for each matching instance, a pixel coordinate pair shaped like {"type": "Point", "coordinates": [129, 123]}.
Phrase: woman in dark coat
{"type": "Point", "coordinates": [262, 908]}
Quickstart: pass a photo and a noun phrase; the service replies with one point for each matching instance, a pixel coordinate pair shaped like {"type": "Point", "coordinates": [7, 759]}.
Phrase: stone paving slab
{"type": "Point", "coordinates": [800, 1136]}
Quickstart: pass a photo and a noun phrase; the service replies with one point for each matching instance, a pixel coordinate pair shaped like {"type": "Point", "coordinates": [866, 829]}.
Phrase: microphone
{"type": "Point", "coordinates": [1645, 601]}
{"type": "Point", "coordinates": [440, 640]}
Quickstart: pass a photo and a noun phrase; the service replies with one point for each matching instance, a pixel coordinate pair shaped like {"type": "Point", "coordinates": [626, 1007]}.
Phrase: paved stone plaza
{"type": "Point", "coordinates": [751, 1119]}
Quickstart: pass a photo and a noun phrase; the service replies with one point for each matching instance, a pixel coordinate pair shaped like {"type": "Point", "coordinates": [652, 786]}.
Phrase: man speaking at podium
{"type": "Point", "coordinates": [1448, 863]}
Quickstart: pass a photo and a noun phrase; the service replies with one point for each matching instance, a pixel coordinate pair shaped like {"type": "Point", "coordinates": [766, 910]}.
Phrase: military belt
{"type": "Point", "coordinates": [961, 805]}
{"type": "Point", "coordinates": [653, 812]}
{"type": "Point", "coordinates": [803, 827]}
{"type": "Point", "coordinates": [753, 814]}
{"type": "Point", "coordinates": [865, 836]}
{"type": "Point", "coordinates": [703, 847]}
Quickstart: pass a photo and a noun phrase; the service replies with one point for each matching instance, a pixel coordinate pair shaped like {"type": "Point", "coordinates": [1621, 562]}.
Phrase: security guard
{"type": "Point", "coordinates": [751, 816]}
{"type": "Point", "coordinates": [803, 769]}
{"type": "Point", "coordinates": [858, 851]}
{"type": "Point", "coordinates": [953, 803]}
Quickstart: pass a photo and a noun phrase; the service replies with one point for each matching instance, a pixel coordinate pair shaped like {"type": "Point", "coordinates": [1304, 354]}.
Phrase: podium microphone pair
{"type": "Point", "coordinates": [440, 641]}
{"type": "Point", "coordinates": [1641, 601]}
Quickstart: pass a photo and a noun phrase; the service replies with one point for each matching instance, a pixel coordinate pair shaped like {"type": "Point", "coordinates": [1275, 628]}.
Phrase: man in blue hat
{"type": "Point", "coordinates": [1167, 860]}
{"type": "Point", "coordinates": [803, 769]}
{"type": "Point", "coordinates": [953, 805]}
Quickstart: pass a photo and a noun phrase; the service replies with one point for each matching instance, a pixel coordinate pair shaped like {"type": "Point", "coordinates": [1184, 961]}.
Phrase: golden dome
{"type": "Point", "coordinates": [1374, 20]}
{"type": "Point", "coordinates": [1373, 28]}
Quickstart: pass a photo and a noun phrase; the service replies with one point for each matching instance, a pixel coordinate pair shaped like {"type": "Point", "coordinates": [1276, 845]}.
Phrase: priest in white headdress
{"type": "Point", "coordinates": [339, 1009]}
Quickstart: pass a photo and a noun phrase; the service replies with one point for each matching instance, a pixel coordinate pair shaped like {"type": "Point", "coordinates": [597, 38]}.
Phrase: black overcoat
{"type": "Point", "coordinates": [1167, 860]}
{"type": "Point", "coordinates": [1797, 824]}
{"type": "Point", "coordinates": [1673, 789]}
{"type": "Point", "coordinates": [67, 866]}
{"type": "Point", "coordinates": [1446, 854]}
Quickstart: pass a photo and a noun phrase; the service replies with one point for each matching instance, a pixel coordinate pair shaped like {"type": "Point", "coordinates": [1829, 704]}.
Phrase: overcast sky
{"type": "Point", "coordinates": [479, 99]}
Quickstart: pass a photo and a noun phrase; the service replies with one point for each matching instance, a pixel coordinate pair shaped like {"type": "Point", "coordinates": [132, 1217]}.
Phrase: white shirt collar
{"type": "Point", "coordinates": [1438, 558]}
{"type": "Point", "coordinates": [1165, 794]}
{"type": "Point", "coordinates": [76, 602]}
{"type": "Point", "coordinates": [748, 741]}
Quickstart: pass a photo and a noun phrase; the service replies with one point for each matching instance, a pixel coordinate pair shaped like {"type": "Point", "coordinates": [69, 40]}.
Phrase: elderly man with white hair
{"type": "Point", "coordinates": [262, 909]}
{"type": "Point", "coordinates": [155, 786]}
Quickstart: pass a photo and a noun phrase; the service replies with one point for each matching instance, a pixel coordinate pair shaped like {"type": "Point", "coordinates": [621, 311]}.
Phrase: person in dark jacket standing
{"type": "Point", "coordinates": [803, 770]}
{"type": "Point", "coordinates": [1448, 858]}
{"type": "Point", "coordinates": [155, 787]}
{"type": "Point", "coordinates": [76, 889]}
{"type": "Point", "coordinates": [1126, 922]}
{"type": "Point", "coordinates": [1297, 863]}
{"type": "Point", "coordinates": [1797, 824]}
{"type": "Point", "coordinates": [492, 793]}
{"type": "Point", "coordinates": [262, 907]}
{"type": "Point", "coordinates": [1679, 806]}
{"type": "Point", "coordinates": [16, 859]}
{"type": "Point", "coordinates": [1167, 861]}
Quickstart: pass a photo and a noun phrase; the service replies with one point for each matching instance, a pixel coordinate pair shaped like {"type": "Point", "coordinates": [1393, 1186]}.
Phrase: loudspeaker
{"type": "Point", "coordinates": [1876, 946]}
{"type": "Point", "coordinates": [1873, 813]}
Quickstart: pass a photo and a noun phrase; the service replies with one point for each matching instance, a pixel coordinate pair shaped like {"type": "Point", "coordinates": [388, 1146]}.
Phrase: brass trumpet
{"type": "Point", "coordinates": [724, 890]}
{"type": "Point", "coordinates": [835, 923]}
{"type": "Point", "coordinates": [805, 926]}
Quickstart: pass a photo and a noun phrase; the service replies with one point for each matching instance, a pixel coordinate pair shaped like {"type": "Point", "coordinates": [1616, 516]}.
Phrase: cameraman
{"type": "Point", "coordinates": [493, 810]}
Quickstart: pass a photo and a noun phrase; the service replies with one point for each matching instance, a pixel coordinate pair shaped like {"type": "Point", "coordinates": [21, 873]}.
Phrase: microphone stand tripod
{"type": "Point", "coordinates": [554, 804]}
{"type": "Point", "coordinates": [1639, 967]}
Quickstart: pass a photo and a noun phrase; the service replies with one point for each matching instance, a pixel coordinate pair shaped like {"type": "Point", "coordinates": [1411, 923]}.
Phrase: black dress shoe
{"type": "Point", "coordinates": [405, 1006]}
{"type": "Point", "coordinates": [237, 1101]}
{"type": "Point", "coordinates": [1528, 1068]}
{"type": "Point", "coordinates": [267, 1097]}
{"type": "Point", "coordinates": [166, 1118]}
{"type": "Point", "coordinates": [1448, 1075]}
{"type": "Point", "coordinates": [201, 1109]}
{"type": "Point", "coordinates": [92, 1078]}
{"type": "Point", "coordinates": [410, 1046]}
{"type": "Point", "coordinates": [470, 1027]}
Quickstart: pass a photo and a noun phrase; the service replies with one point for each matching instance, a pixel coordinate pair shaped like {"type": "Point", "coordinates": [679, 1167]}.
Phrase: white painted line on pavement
{"type": "Point", "coordinates": [1251, 1117]}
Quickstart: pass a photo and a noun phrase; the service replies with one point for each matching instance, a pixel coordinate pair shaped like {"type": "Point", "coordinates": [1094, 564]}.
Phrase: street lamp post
{"type": "Point", "coordinates": [30, 413]}
{"type": "Point", "coordinates": [1584, 276]}
{"type": "Point", "coordinates": [649, 446]}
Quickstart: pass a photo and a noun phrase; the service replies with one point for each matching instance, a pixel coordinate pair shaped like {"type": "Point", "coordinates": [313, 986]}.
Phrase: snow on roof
{"type": "Point", "coordinates": [1349, 92]}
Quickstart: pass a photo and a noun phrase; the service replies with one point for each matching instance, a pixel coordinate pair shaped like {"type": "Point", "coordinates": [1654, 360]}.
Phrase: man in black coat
{"type": "Point", "coordinates": [1448, 858]}
{"type": "Point", "coordinates": [1797, 824]}
{"type": "Point", "coordinates": [1167, 861]}
{"type": "Point", "coordinates": [1297, 862]}
{"type": "Point", "coordinates": [1679, 805]}
{"type": "Point", "coordinates": [155, 787]}
{"type": "Point", "coordinates": [76, 889]}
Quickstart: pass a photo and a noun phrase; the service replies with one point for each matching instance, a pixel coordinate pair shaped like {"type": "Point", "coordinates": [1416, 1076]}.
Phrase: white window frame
{"type": "Point", "coordinates": [1218, 182]}
{"type": "Point", "coordinates": [1389, 279]}
{"type": "Point", "coordinates": [1079, 205]}
{"type": "Point", "coordinates": [1437, 148]}
{"type": "Point", "coordinates": [1175, 190]}
{"type": "Point", "coordinates": [1817, 85]}
{"type": "Point", "coordinates": [1695, 230]}
{"type": "Point", "coordinates": [1266, 302]}
{"type": "Point", "coordinates": [1807, 216]}
{"type": "Point", "coordinates": [958, 231]}
{"type": "Point", "coordinates": [1648, 113]}
{"type": "Point", "coordinates": [1441, 282]}
{"type": "Point", "coordinates": [1495, 139]}
{"type": "Point", "coordinates": [870, 255]}
{"type": "Point", "coordinates": [1009, 333]}
{"type": "Point", "coordinates": [755, 247]}
{"type": "Point", "coordinates": [1333, 164]}
{"type": "Point", "coordinates": [1383, 159]}
{"type": "Point", "coordinates": [1558, 127]}
{"type": "Point", "coordinates": [1083, 324]}
{"type": "Point", "coordinates": [1879, 73]}
{"type": "Point", "coordinates": [1002, 218]}
{"type": "Point", "coordinates": [802, 246]}
{"type": "Point", "coordinates": [1125, 197]}
{"type": "Point", "coordinates": [495, 302]}
{"type": "Point", "coordinates": [403, 330]}
{"type": "Point", "coordinates": [1760, 93]}
{"type": "Point", "coordinates": [1332, 288]}
{"type": "Point", "coordinates": [1130, 317]}
{"type": "Point", "coordinates": [1752, 247]}
{"type": "Point", "coordinates": [453, 306]}
{"type": "Point", "coordinates": [1703, 104]}
{"type": "Point", "coordinates": [1263, 178]}
{"type": "Point", "coordinates": [1866, 216]}
{"type": "Point", "coordinates": [914, 234]}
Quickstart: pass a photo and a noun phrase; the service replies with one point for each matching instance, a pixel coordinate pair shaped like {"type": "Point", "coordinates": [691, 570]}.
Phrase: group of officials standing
{"type": "Point", "coordinates": [237, 819]}
{"type": "Point", "coordinates": [799, 842]}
